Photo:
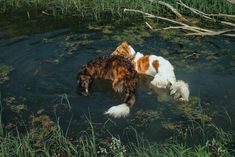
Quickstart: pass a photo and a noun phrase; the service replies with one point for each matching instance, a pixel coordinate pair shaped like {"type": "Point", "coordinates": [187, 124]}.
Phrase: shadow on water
{"type": "Point", "coordinates": [47, 54]}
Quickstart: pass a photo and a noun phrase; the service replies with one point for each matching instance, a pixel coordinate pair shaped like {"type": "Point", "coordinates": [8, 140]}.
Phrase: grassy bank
{"type": "Point", "coordinates": [88, 145]}
{"type": "Point", "coordinates": [46, 138]}
{"type": "Point", "coordinates": [98, 9]}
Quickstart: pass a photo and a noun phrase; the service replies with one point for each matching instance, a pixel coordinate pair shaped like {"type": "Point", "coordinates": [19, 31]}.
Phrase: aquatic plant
{"type": "Point", "coordinates": [4, 73]}
{"type": "Point", "coordinates": [143, 118]}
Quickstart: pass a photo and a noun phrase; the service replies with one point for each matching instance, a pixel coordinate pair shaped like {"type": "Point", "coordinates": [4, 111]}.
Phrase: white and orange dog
{"type": "Point", "coordinates": [158, 67]}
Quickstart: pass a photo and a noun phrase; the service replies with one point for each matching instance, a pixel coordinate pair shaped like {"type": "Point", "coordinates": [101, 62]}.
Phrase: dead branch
{"type": "Point", "coordinates": [191, 30]}
{"type": "Point", "coordinates": [231, 1]}
{"type": "Point", "coordinates": [204, 15]}
{"type": "Point", "coordinates": [215, 33]}
{"type": "Point", "coordinates": [179, 15]}
{"type": "Point", "coordinates": [221, 15]}
{"type": "Point", "coordinates": [154, 16]}
{"type": "Point", "coordinates": [187, 27]}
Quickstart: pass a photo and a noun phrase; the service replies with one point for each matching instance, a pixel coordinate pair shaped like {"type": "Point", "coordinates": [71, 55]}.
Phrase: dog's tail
{"type": "Point", "coordinates": [118, 111]}
{"type": "Point", "coordinates": [121, 110]}
{"type": "Point", "coordinates": [180, 90]}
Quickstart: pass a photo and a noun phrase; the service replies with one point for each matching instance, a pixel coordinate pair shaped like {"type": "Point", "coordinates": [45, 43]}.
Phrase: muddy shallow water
{"type": "Point", "coordinates": [44, 57]}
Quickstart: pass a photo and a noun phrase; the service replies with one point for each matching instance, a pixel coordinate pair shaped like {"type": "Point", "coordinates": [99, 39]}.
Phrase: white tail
{"type": "Point", "coordinates": [118, 111]}
{"type": "Point", "coordinates": [180, 90]}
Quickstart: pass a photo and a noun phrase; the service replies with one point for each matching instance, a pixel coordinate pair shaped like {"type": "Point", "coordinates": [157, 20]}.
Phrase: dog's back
{"type": "Point", "coordinates": [115, 68]}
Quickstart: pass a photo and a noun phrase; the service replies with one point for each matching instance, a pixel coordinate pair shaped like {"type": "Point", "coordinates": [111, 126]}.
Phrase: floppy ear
{"type": "Point", "coordinates": [125, 44]}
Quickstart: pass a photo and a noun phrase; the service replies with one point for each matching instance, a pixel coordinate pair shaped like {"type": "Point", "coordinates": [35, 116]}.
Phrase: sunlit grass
{"type": "Point", "coordinates": [98, 9]}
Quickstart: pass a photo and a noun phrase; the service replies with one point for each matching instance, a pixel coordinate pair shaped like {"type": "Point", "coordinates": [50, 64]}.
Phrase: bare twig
{"type": "Point", "coordinates": [149, 25]}
{"type": "Point", "coordinates": [191, 30]}
{"type": "Point", "coordinates": [231, 1]}
{"type": "Point", "coordinates": [45, 13]}
{"type": "Point", "coordinates": [221, 15]}
{"type": "Point", "coordinates": [213, 15]}
{"type": "Point", "coordinates": [202, 14]}
{"type": "Point", "coordinates": [28, 15]}
{"type": "Point", "coordinates": [187, 27]}
{"type": "Point", "coordinates": [224, 33]}
{"type": "Point", "coordinates": [180, 16]}
{"type": "Point", "coordinates": [154, 16]}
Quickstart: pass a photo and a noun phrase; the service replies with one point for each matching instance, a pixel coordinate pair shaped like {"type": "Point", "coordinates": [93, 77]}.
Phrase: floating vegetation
{"type": "Point", "coordinates": [144, 118]}
{"type": "Point", "coordinates": [73, 43]}
{"type": "Point", "coordinates": [40, 128]}
{"type": "Point", "coordinates": [18, 108]}
{"type": "Point", "coordinates": [14, 105]}
{"type": "Point", "coordinates": [171, 125]}
{"type": "Point", "coordinates": [4, 73]}
{"type": "Point", "coordinates": [47, 40]}
{"type": "Point", "coordinates": [192, 110]}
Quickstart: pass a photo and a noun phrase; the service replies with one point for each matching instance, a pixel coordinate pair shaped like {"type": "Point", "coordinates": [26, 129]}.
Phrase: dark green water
{"type": "Point", "coordinates": [47, 54]}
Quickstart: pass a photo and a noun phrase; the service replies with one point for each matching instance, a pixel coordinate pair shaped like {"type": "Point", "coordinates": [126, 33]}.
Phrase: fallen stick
{"type": "Point", "coordinates": [211, 33]}
{"type": "Point", "coordinates": [179, 15]}
{"type": "Point", "coordinates": [196, 31]}
{"type": "Point", "coordinates": [202, 14]}
{"type": "Point", "coordinates": [154, 16]}
{"type": "Point", "coordinates": [188, 28]}
{"type": "Point", "coordinates": [224, 33]}
{"type": "Point", "coordinates": [192, 28]}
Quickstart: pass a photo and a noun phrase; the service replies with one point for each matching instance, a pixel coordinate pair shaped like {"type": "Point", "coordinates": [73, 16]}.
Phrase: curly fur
{"type": "Point", "coordinates": [115, 68]}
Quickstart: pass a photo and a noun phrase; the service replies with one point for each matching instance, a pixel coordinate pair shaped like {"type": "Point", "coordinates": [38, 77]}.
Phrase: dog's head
{"type": "Point", "coordinates": [83, 84]}
{"type": "Point", "coordinates": [124, 50]}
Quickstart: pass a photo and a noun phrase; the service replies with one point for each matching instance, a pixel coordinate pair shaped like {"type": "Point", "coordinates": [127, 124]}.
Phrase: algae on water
{"type": "Point", "coordinates": [4, 73]}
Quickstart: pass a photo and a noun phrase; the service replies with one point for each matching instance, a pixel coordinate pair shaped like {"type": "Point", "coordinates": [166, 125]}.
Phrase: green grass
{"type": "Point", "coordinates": [87, 145]}
{"type": "Point", "coordinates": [101, 9]}
{"type": "Point", "coordinates": [1, 124]}
{"type": "Point", "coordinates": [50, 140]}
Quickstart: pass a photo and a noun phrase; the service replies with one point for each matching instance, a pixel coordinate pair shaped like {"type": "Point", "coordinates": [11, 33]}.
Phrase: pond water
{"type": "Point", "coordinates": [44, 56]}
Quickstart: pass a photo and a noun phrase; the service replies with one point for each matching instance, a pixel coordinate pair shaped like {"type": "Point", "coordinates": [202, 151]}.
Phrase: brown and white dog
{"type": "Point", "coordinates": [115, 68]}
{"type": "Point", "coordinates": [156, 66]}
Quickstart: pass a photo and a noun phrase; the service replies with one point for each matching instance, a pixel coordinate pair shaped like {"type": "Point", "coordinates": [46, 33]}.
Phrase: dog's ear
{"type": "Point", "coordinates": [125, 45]}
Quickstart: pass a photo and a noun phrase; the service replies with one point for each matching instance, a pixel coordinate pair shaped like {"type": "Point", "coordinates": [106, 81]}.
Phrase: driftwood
{"type": "Point", "coordinates": [207, 16]}
{"type": "Point", "coordinates": [231, 1]}
{"type": "Point", "coordinates": [179, 15]}
{"type": "Point", "coordinates": [183, 24]}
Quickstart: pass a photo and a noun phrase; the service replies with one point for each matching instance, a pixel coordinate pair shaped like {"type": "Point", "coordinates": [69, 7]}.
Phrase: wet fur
{"type": "Point", "coordinates": [158, 67]}
{"type": "Point", "coordinates": [115, 68]}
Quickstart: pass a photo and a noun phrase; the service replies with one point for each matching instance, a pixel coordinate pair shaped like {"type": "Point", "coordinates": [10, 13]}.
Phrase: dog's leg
{"type": "Point", "coordinates": [180, 90]}
{"type": "Point", "coordinates": [159, 81]}
{"type": "Point", "coordinates": [128, 88]}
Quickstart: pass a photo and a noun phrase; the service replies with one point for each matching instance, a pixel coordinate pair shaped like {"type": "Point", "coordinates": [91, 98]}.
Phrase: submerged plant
{"type": "Point", "coordinates": [4, 73]}
{"type": "Point", "coordinates": [143, 119]}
